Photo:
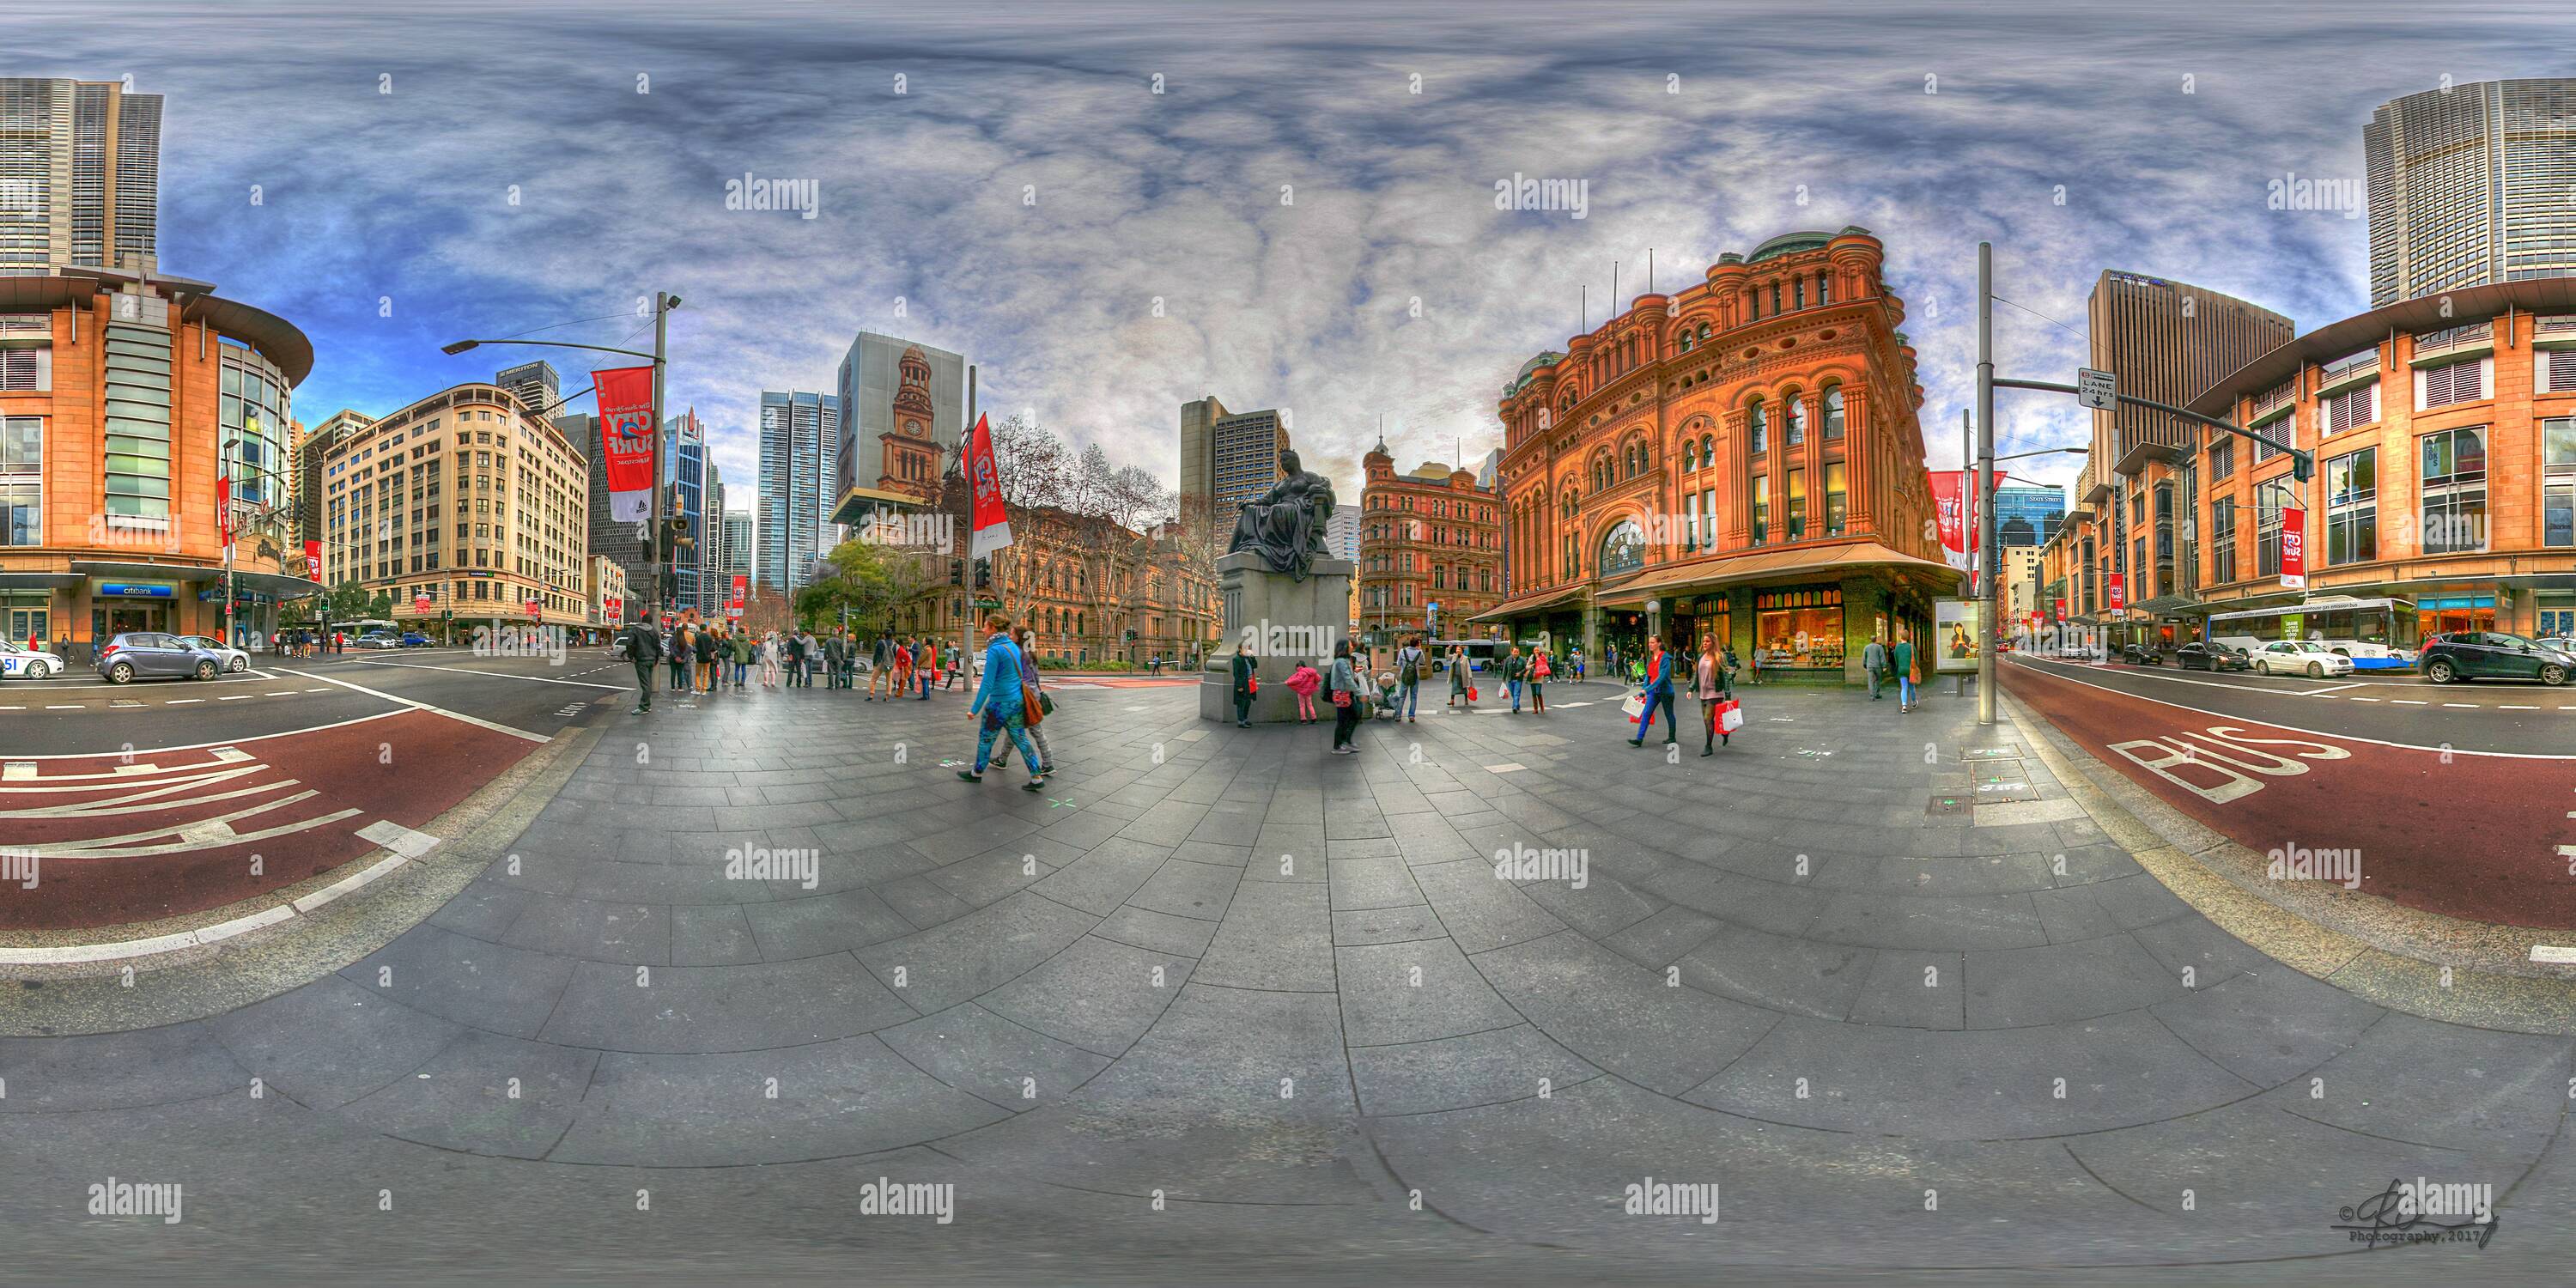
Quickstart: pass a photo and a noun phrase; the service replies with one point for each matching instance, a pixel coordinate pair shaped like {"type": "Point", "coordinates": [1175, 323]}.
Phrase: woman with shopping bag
{"type": "Point", "coordinates": [1708, 684]}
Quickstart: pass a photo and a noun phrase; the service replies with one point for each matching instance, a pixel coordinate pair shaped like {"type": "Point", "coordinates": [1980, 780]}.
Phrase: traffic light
{"type": "Point", "coordinates": [956, 572]}
{"type": "Point", "coordinates": [676, 527]}
{"type": "Point", "coordinates": [2303, 467]}
{"type": "Point", "coordinates": [983, 574]}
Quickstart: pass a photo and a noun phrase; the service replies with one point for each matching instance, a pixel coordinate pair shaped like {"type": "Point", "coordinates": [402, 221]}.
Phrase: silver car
{"type": "Point", "coordinates": [144, 655]}
{"type": "Point", "coordinates": [232, 659]}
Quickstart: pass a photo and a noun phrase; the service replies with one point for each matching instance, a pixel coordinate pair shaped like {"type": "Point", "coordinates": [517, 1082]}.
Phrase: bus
{"type": "Point", "coordinates": [1481, 654]}
{"type": "Point", "coordinates": [2377, 634]}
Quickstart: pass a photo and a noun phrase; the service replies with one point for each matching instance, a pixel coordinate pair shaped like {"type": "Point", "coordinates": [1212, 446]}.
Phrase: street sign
{"type": "Point", "coordinates": [2098, 390]}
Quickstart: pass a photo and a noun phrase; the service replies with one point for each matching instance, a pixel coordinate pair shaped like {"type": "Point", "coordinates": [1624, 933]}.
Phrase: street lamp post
{"type": "Point", "coordinates": [663, 303]}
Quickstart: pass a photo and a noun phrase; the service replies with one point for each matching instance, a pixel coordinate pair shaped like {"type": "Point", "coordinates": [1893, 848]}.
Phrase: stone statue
{"type": "Point", "coordinates": [1286, 524]}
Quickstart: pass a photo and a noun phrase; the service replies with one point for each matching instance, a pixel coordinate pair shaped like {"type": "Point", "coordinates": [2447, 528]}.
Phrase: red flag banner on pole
{"type": "Point", "coordinates": [313, 561]}
{"type": "Point", "coordinates": [626, 440]}
{"type": "Point", "coordinates": [224, 509]}
{"type": "Point", "coordinates": [2294, 549]}
{"type": "Point", "coordinates": [2118, 589]}
{"type": "Point", "coordinates": [1954, 500]}
{"type": "Point", "coordinates": [992, 523]}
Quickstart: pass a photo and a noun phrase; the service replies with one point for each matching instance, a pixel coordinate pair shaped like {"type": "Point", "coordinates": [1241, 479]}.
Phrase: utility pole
{"type": "Point", "coordinates": [1985, 569]}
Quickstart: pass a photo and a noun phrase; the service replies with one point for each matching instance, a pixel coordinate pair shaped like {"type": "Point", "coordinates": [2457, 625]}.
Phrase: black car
{"type": "Point", "coordinates": [2141, 655]}
{"type": "Point", "coordinates": [2494, 655]}
{"type": "Point", "coordinates": [2197, 656]}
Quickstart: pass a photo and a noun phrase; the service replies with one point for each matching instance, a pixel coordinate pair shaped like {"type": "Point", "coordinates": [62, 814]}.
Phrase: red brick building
{"type": "Point", "coordinates": [1739, 458]}
{"type": "Point", "coordinates": [1427, 537]}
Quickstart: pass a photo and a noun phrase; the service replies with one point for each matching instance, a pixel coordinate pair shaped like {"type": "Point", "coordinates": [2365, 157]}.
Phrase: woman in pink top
{"type": "Point", "coordinates": [1303, 682]}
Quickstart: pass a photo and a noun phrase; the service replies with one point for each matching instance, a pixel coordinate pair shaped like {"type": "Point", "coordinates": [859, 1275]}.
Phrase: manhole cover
{"type": "Point", "coordinates": [1945, 805]}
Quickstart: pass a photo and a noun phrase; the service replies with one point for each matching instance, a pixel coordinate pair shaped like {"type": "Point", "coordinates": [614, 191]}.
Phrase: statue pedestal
{"type": "Point", "coordinates": [1280, 621]}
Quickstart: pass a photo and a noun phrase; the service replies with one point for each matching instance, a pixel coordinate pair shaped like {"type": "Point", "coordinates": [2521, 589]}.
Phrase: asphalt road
{"type": "Point", "coordinates": [2514, 717]}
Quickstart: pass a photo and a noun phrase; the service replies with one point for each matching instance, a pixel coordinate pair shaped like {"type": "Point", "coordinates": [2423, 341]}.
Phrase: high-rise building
{"type": "Point", "coordinates": [535, 384]}
{"type": "Point", "coordinates": [903, 405]}
{"type": "Point", "coordinates": [800, 435]}
{"type": "Point", "coordinates": [736, 544]}
{"type": "Point", "coordinates": [1342, 532]}
{"type": "Point", "coordinates": [304, 467]}
{"type": "Point", "coordinates": [2028, 514]}
{"type": "Point", "coordinates": [2169, 342]}
{"type": "Point", "coordinates": [2469, 185]}
{"type": "Point", "coordinates": [1227, 458]}
{"type": "Point", "coordinates": [80, 176]}
{"type": "Point", "coordinates": [684, 445]}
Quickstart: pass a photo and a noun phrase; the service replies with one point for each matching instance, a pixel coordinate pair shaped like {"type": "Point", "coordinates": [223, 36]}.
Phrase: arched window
{"type": "Point", "coordinates": [1690, 457]}
{"type": "Point", "coordinates": [1708, 449]}
{"type": "Point", "coordinates": [1683, 341]}
{"type": "Point", "coordinates": [1833, 412]}
{"type": "Point", "coordinates": [1759, 422]}
{"type": "Point", "coordinates": [1797, 420]}
{"type": "Point", "coordinates": [1623, 549]}
{"type": "Point", "coordinates": [1703, 331]}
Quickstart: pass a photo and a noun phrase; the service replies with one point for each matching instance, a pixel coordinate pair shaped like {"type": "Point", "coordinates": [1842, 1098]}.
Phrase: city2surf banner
{"type": "Point", "coordinates": [626, 440]}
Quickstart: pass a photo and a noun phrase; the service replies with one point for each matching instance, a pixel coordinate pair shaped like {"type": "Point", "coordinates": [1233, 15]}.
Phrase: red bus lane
{"type": "Point", "coordinates": [108, 840]}
{"type": "Point", "coordinates": [2472, 836]}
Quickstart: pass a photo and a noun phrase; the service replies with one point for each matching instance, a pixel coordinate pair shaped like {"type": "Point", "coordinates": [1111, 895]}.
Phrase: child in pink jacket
{"type": "Point", "coordinates": [1303, 682]}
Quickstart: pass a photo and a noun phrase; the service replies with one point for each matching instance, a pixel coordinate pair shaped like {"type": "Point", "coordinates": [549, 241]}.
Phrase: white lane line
{"type": "Point", "coordinates": [495, 726]}
{"type": "Point", "coordinates": [498, 675]}
{"type": "Point", "coordinates": [2365, 699]}
{"type": "Point", "coordinates": [284, 693]}
{"type": "Point", "coordinates": [2320, 733]}
{"type": "Point", "coordinates": [2409, 702]}
{"type": "Point", "coordinates": [181, 702]}
{"type": "Point", "coordinates": [2470, 705]}
{"type": "Point", "coordinates": [237, 697]}
{"type": "Point", "coordinates": [219, 742]}
{"type": "Point", "coordinates": [65, 706]}
{"type": "Point", "coordinates": [2332, 688]}
{"type": "Point", "coordinates": [320, 690]}
{"type": "Point", "coordinates": [2510, 707]}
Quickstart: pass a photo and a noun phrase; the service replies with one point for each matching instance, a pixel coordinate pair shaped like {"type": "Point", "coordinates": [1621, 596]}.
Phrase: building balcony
{"type": "Point", "coordinates": [2468, 340]}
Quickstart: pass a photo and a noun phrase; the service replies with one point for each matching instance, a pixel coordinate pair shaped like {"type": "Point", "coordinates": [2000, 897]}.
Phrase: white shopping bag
{"type": "Point", "coordinates": [1635, 706]}
{"type": "Point", "coordinates": [1731, 719]}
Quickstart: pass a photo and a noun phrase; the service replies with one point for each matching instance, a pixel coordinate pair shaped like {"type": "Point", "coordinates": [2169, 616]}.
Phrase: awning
{"type": "Point", "coordinates": [38, 580]}
{"type": "Point", "coordinates": [2167, 604]}
{"type": "Point", "coordinates": [1775, 565]}
{"type": "Point", "coordinates": [1528, 604]}
{"type": "Point", "coordinates": [147, 571]}
{"type": "Point", "coordinates": [271, 583]}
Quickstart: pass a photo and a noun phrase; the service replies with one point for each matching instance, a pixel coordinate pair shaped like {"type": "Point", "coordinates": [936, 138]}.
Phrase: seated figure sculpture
{"type": "Point", "coordinates": [1286, 524]}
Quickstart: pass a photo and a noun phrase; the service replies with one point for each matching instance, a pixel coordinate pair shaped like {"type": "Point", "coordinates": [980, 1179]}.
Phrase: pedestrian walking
{"type": "Point", "coordinates": [1303, 682]}
{"type": "Point", "coordinates": [1873, 659]}
{"type": "Point", "coordinates": [1578, 662]}
{"type": "Point", "coordinates": [880, 659]}
{"type": "Point", "coordinates": [1904, 660]}
{"type": "Point", "coordinates": [643, 649]}
{"type": "Point", "coordinates": [1459, 668]}
{"type": "Point", "coordinates": [1515, 670]}
{"type": "Point", "coordinates": [675, 649]}
{"type": "Point", "coordinates": [1045, 706]}
{"type": "Point", "coordinates": [1710, 683]}
{"type": "Point", "coordinates": [1408, 676]}
{"type": "Point", "coordinates": [1001, 704]}
{"type": "Point", "coordinates": [1346, 700]}
{"type": "Point", "coordinates": [769, 660]}
{"type": "Point", "coordinates": [706, 645]}
{"type": "Point", "coordinates": [1658, 688]}
{"type": "Point", "coordinates": [849, 659]}
{"type": "Point", "coordinates": [740, 646]}
{"type": "Point", "coordinates": [925, 665]}
{"type": "Point", "coordinates": [1541, 666]}
{"type": "Point", "coordinates": [1247, 685]}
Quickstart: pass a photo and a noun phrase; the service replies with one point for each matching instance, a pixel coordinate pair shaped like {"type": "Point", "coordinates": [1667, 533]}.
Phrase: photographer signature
{"type": "Point", "coordinates": [2382, 1218]}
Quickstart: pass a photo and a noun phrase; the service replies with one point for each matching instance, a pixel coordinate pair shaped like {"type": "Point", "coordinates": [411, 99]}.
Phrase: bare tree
{"type": "Point", "coordinates": [1032, 462]}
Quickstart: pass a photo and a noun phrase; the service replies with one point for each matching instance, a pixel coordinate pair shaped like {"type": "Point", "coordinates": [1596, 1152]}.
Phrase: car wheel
{"type": "Point", "coordinates": [37, 671]}
{"type": "Point", "coordinates": [2316, 670]}
{"type": "Point", "coordinates": [2553, 675]}
{"type": "Point", "coordinates": [2439, 672]}
{"type": "Point", "coordinates": [240, 664]}
{"type": "Point", "coordinates": [121, 673]}
{"type": "Point", "coordinates": [206, 670]}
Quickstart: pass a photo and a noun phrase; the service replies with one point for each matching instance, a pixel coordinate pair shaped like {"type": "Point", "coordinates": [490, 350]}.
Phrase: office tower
{"type": "Point", "coordinates": [799, 434]}
{"type": "Point", "coordinates": [1227, 458]}
{"type": "Point", "coordinates": [2470, 185]}
{"type": "Point", "coordinates": [80, 174]}
{"type": "Point", "coordinates": [1342, 531]}
{"type": "Point", "coordinates": [903, 409]}
{"type": "Point", "coordinates": [684, 445]}
{"type": "Point", "coordinates": [534, 384]}
{"type": "Point", "coordinates": [2027, 514]}
{"type": "Point", "coordinates": [737, 543]}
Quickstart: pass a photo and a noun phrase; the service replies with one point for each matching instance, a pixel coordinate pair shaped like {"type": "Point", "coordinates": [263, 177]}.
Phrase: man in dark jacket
{"type": "Point", "coordinates": [1243, 669]}
{"type": "Point", "coordinates": [833, 652]}
{"type": "Point", "coordinates": [643, 648]}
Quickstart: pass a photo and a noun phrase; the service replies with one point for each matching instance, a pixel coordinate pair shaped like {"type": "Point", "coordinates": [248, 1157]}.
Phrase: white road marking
{"type": "Point", "coordinates": [2409, 702]}
{"type": "Point", "coordinates": [495, 726]}
{"type": "Point", "coordinates": [237, 697]}
{"type": "Point", "coordinates": [59, 706]}
{"type": "Point", "coordinates": [1507, 767]}
{"type": "Point", "coordinates": [2553, 954]}
{"type": "Point", "coordinates": [181, 702]}
{"type": "Point", "coordinates": [399, 839]}
{"type": "Point", "coordinates": [220, 745]}
{"type": "Point", "coordinates": [2339, 736]}
{"type": "Point", "coordinates": [2471, 705]}
{"type": "Point", "coordinates": [498, 675]}
{"type": "Point", "coordinates": [2332, 688]}
{"type": "Point", "coordinates": [2365, 699]}
{"type": "Point", "coordinates": [284, 693]}
{"type": "Point", "coordinates": [2510, 707]}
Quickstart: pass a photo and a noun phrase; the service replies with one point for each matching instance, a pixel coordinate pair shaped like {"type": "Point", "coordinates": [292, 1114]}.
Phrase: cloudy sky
{"type": "Point", "coordinates": [1301, 217]}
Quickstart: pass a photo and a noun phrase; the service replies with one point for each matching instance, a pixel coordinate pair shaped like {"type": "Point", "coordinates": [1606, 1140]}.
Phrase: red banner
{"type": "Point", "coordinates": [613, 609]}
{"type": "Point", "coordinates": [2294, 549]}
{"type": "Point", "coordinates": [313, 561]}
{"type": "Point", "coordinates": [420, 604]}
{"type": "Point", "coordinates": [2117, 590]}
{"type": "Point", "coordinates": [626, 440]}
{"type": "Point", "coordinates": [224, 509]}
{"type": "Point", "coordinates": [741, 594]}
{"type": "Point", "coordinates": [2059, 614]}
{"type": "Point", "coordinates": [536, 609]}
{"type": "Point", "coordinates": [992, 522]}
{"type": "Point", "coordinates": [1954, 500]}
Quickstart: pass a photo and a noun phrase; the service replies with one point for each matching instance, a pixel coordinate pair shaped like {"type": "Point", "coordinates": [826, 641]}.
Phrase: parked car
{"type": "Point", "coordinates": [2494, 655]}
{"type": "Point", "coordinates": [2141, 655]}
{"type": "Point", "coordinates": [379, 639]}
{"type": "Point", "coordinates": [414, 639]}
{"type": "Point", "coordinates": [2197, 656]}
{"type": "Point", "coordinates": [19, 661]}
{"type": "Point", "coordinates": [232, 659]}
{"type": "Point", "coordinates": [2300, 657]}
{"type": "Point", "coordinates": [138, 655]}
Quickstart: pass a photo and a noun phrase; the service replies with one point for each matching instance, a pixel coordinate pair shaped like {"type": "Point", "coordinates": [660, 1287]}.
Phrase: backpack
{"type": "Point", "coordinates": [1410, 665]}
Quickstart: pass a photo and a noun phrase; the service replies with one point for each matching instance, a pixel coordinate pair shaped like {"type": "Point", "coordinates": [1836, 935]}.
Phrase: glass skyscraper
{"type": "Point", "coordinates": [2469, 185]}
{"type": "Point", "coordinates": [80, 176]}
{"type": "Point", "coordinates": [800, 436]}
{"type": "Point", "coordinates": [2028, 515]}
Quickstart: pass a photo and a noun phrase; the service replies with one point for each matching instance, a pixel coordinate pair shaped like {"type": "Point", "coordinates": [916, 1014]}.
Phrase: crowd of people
{"type": "Point", "coordinates": [711, 657]}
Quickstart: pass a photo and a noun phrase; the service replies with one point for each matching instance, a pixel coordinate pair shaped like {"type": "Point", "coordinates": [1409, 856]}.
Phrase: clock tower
{"type": "Point", "coordinates": [909, 451]}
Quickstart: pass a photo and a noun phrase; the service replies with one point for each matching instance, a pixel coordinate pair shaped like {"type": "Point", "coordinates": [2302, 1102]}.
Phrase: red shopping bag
{"type": "Point", "coordinates": [1471, 693]}
{"type": "Point", "coordinates": [1730, 716]}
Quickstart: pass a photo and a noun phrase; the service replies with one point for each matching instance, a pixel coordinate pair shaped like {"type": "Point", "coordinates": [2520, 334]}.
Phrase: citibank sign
{"type": "Point", "coordinates": [134, 590]}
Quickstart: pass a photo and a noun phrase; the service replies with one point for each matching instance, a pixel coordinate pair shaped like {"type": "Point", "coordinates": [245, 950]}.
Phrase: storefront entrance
{"type": "Point", "coordinates": [111, 620]}
{"type": "Point", "coordinates": [1798, 634]}
{"type": "Point", "coordinates": [26, 619]}
{"type": "Point", "coordinates": [2443, 614]}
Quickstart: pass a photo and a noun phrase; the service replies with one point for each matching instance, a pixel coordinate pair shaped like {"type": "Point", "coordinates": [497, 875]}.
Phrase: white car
{"type": "Point", "coordinates": [234, 660]}
{"type": "Point", "coordinates": [2300, 657]}
{"type": "Point", "coordinates": [19, 661]}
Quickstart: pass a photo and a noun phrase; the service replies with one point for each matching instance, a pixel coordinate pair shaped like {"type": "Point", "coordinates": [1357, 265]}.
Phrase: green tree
{"type": "Point", "coordinates": [381, 606]}
{"type": "Point", "coordinates": [348, 601]}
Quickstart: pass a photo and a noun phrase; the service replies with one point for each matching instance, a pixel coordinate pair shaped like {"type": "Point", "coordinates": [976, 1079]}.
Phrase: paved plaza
{"type": "Point", "coordinates": [1216, 990]}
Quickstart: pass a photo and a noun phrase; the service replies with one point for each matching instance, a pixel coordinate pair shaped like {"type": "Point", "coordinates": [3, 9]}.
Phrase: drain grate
{"type": "Point", "coordinates": [1947, 804]}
